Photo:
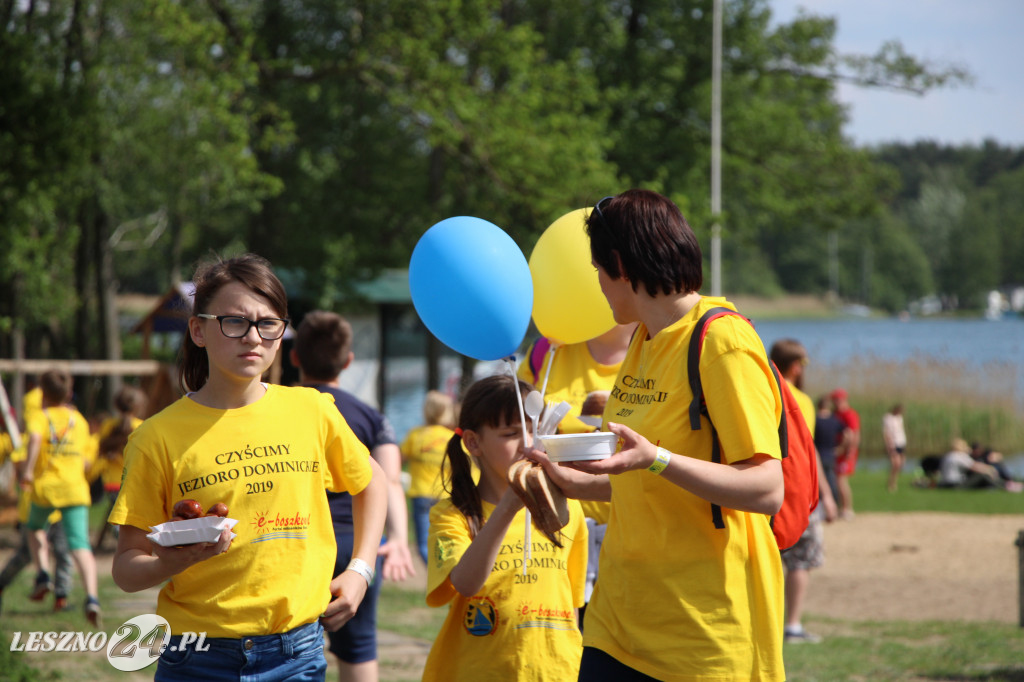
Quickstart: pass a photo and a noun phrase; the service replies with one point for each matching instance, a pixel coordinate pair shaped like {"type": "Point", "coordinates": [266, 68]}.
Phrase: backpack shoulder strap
{"type": "Point", "coordinates": [700, 330]}
{"type": "Point", "coordinates": [698, 405]}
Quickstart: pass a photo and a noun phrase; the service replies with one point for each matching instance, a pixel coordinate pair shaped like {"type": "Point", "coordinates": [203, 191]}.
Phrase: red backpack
{"type": "Point", "coordinates": [799, 458]}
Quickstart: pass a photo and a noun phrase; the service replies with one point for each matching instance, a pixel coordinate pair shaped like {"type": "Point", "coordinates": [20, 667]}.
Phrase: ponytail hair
{"type": "Point", "coordinates": [130, 403]}
{"type": "Point", "coordinates": [250, 270]}
{"type": "Point", "coordinates": [489, 402]}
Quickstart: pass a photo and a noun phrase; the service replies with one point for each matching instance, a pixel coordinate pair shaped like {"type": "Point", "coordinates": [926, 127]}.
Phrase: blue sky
{"type": "Point", "coordinates": [986, 36]}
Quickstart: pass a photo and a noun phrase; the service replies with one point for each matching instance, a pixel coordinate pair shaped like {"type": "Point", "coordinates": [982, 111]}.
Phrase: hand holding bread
{"type": "Point", "coordinates": [544, 499]}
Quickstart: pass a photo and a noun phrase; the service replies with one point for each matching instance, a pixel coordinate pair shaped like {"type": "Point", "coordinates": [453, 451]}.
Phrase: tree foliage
{"type": "Point", "coordinates": [138, 135]}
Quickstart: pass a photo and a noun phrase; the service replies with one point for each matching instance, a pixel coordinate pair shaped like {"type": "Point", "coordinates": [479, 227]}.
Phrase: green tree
{"type": "Point", "coordinates": [123, 116]}
{"type": "Point", "coordinates": [407, 112]}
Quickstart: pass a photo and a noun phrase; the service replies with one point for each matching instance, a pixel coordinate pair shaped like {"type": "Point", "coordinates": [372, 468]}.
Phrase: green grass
{"type": "Point", "coordinates": [870, 495]}
{"type": "Point", "coordinates": [22, 615]}
{"type": "Point", "coordinates": [406, 612]}
{"type": "Point", "coordinates": [883, 651]}
{"type": "Point", "coordinates": [852, 651]}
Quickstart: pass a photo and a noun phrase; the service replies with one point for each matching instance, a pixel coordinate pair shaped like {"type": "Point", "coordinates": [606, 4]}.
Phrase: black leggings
{"type": "Point", "coordinates": [597, 666]}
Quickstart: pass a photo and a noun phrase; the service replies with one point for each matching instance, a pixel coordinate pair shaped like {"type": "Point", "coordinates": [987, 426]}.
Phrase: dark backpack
{"type": "Point", "coordinates": [799, 458]}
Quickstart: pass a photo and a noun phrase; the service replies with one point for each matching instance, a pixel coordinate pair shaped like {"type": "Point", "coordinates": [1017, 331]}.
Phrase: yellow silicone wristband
{"type": "Point", "coordinates": [661, 460]}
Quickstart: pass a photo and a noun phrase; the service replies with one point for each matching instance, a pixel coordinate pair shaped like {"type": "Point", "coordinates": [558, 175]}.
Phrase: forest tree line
{"type": "Point", "coordinates": [138, 136]}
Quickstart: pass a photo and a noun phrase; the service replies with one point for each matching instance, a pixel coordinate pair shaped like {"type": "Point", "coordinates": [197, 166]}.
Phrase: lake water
{"type": "Point", "coordinates": [974, 344]}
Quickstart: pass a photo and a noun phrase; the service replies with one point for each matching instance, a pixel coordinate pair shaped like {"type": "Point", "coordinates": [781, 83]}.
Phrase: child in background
{"type": "Point", "coordinates": [321, 351]}
{"type": "Point", "coordinates": [513, 621]}
{"type": "Point", "coordinates": [130, 404]}
{"type": "Point", "coordinates": [55, 473]}
{"type": "Point", "coordinates": [268, 452]}
{"type": "Point", "coordinates": [423, 449]}
{"type": "Point", "coordinates": [22, 557]}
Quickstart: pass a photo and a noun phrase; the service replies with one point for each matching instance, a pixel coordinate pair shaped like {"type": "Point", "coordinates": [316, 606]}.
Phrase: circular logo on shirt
{"type": "Point", "coordinates": [481, 617]}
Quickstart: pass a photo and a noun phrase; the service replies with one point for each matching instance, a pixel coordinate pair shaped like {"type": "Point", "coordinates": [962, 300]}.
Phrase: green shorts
{"type": "Point", "coordinates": [76, 523]}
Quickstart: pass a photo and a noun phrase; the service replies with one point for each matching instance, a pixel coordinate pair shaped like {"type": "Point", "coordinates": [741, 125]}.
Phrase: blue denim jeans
{"type": "Point", "coordinates": [421, 522]}
{"type": "Point", "coordinates": [294, 655]}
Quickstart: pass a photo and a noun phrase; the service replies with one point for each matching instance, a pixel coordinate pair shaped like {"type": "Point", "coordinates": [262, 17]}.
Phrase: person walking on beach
{"type": "Point", "coordinates": [790, 356]}
{"type": "Point", "coordinates": [895, 437]}
{"type": "Point", "coordinates": [847, 450]}
{"type": "Point", "coordinates": [828, 431]}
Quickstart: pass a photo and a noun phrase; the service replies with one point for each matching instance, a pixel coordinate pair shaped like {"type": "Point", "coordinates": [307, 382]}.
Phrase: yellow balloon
{"type": "Point", "coordinates": [568, 306]}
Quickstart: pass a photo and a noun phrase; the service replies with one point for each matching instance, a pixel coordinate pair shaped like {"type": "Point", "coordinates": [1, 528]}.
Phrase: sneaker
{"type": "Point", "coordinates": [60, 604]}
{"type": "Point", "coordinates": [92, 612]}
{"type": "Point", "coordinates": [801, 636]}
{"type": "Point", "coordinates": [42, 587]}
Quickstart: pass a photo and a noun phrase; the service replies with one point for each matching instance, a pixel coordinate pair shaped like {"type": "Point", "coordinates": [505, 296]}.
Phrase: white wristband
{"type": "Point", "coordinates": [362, 568]}
{"type": "Point", "coordinates": [661, 460]}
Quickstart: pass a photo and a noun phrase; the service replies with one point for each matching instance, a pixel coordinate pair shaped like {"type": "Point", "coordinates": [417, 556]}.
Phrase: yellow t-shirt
{"type": "Point", "coordinates": [573, 375]}
{"type": "Point", "coordinates": [424, 449]}
{"type": "Point", "coordinates": [24, 497]}
{"type": "Point", "coordinates": [678, 599]}
{"type": "Point", "coordinates": [112, 468]}
{"type": "Point", "coordinates": [6, 447]}
{"type": "Point", "coordinates": [31, 403]}
{"type": "Point", "coordinates": [270, 463]}
{"type": "Point", "coordinates": [519, 626]}
{"type": "Point", "coordinates": [806, 406]}
{"type": "Point", "coordinates": [59, 474]}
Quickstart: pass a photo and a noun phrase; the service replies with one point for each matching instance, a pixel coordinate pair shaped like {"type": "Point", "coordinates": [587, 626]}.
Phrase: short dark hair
{"type": "Point", "coordinates": [56, 386]}
{"type": "Point", "coordinates": [785, 352]}
{"type": "Point", "coordinates": [652, 239]}
{"type": "Point", "coordinates": [322, 344]}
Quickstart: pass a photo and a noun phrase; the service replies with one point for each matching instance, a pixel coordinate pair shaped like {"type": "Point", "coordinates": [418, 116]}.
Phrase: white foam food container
{"type": "Point", "coordinates": [578, 447]}
{"type": "Point", "coordinates": [190, 531]}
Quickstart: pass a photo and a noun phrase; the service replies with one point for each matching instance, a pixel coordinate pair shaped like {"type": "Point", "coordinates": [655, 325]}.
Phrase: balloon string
{"type": "Point", "coordinates": [547, 371]}
{"type": "Point", "coordinates": [522, 421]}
{"type": "Point", "coordinates": [519, 396]}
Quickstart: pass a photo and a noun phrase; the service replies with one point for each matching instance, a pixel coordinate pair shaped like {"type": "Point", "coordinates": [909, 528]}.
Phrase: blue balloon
{"type": "Point", "coordinates": [472, 288]}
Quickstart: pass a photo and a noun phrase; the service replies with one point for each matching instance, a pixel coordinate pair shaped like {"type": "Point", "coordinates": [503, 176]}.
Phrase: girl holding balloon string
{"type": "Point", "coordinates": [581, 374]}
{"type": "Point", "coordinates": [511, 612]}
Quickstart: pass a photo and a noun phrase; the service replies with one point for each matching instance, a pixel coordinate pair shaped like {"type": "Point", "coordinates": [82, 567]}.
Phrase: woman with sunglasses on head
{"type": "Point", "coordinates": [267, 452]}
{"type": "Point", "coordinates": [684, 594]}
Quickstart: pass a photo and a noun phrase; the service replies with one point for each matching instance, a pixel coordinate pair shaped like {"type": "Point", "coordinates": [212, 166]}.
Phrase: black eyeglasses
{"type": "Point", "coordinates": [235, 326]}
{"type": "Point", "coordinates": [597, 208]}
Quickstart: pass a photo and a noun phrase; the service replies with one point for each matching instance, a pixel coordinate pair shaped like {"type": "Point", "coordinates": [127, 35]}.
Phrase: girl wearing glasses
{"type": "Point", "coordinates": [268, 452]}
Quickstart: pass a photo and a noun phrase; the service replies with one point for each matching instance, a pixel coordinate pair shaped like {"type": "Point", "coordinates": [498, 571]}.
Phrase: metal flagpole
{"type": "Point", "coordinates": [716, 150]}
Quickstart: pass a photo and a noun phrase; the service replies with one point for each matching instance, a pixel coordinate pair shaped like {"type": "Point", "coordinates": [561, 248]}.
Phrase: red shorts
{"type": "Point", "coordinates": [846, 463]}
